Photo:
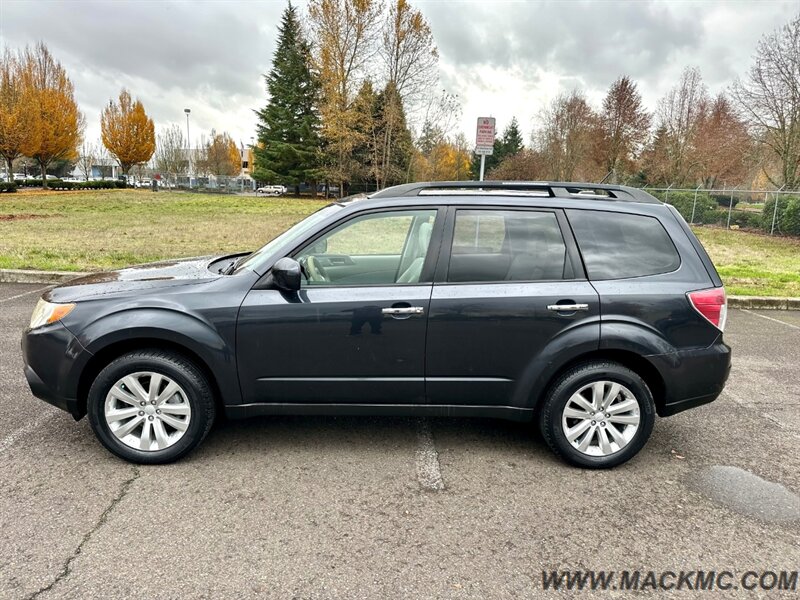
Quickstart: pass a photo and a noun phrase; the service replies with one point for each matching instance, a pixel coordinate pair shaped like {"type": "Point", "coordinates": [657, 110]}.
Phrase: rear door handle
{"type": "Point", "coordinates": [567, 307]}
{"type": "Point", "coordinates": [407, 310]}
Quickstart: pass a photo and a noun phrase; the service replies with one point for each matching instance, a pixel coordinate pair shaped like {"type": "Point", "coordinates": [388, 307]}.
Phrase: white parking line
{"type": "Point", "coordinates": [25, 294]}
{"type": "Point", "coordinates": [11, 438]}
{"type": "Point", "coordinates": [747, 310]}
{"type": "Point", "coordinates": [428, 473]}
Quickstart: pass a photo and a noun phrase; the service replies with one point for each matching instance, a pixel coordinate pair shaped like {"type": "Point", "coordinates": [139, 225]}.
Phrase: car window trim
{"type": "Point", "coordinates": [427, 282]}
{"type": "Point", "coordinates": [633, 214]}
{"type": "Point", "coordinates": [446, 253]}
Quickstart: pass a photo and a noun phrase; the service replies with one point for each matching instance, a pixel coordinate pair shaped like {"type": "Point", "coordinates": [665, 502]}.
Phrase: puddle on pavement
{"type": "Point", "coordinates": [748, 494]}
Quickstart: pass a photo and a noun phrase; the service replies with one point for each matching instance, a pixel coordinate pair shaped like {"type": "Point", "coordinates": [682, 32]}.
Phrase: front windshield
{"type": "Point", "coordinates": [287, 236]}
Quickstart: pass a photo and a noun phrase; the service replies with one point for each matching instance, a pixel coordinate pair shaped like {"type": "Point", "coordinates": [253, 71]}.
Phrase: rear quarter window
{"type": "Point", "coordinates": [619, 245]}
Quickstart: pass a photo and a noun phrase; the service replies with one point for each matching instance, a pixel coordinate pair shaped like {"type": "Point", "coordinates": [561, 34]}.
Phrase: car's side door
{"type": "Point", "coordinates": [355, 331]}
{"type": "Point", "coordinates": [509, 283]}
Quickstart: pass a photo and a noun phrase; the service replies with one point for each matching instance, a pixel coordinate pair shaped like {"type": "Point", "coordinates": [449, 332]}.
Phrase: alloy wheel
{"type": "Point", "coordinates": [601, 418]}
{"type": "Point", "coordinates": [147, 411]}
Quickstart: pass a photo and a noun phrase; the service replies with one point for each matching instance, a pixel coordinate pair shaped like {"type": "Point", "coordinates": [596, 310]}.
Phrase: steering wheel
{"type": "Point", "coordinates": [315, 271]}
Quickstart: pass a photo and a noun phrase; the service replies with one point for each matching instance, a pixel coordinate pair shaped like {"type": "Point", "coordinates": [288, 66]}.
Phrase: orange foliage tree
{"type": "Point", "coordinates": [56, 125]}
{"type": "Point", "coordinates": [220, 156]}
{"type": "Point", "coordinates": [346, 30]}
{"type": "Point", "coordinates": [127, 131]}
{"type": "Point", "coordinates": [16, 110]}
{"type": "Point", "coordinates": [445, 160]}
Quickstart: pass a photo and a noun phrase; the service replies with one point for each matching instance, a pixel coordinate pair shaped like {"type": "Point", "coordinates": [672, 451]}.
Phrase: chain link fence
{"type": "Point", "coordinates": [775, 212]}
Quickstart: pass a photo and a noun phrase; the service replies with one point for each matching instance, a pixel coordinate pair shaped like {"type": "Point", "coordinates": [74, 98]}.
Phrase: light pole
{"type": "Point", "coordinates": [251, 155]}
{"type": "Point", "coordinates": [188, 147]}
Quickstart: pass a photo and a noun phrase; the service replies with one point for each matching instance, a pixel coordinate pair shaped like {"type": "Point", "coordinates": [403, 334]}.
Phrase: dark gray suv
{"type": "Point", "coordinates": [587, 308]}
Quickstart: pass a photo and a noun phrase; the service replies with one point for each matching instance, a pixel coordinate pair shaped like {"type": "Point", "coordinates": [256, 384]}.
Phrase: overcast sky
{"type": "Point", "coordinates": [502, 58]}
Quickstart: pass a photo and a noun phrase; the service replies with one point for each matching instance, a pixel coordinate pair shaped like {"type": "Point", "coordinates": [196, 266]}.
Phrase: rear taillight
{"type": "Point", "coordinates": [712, 304]}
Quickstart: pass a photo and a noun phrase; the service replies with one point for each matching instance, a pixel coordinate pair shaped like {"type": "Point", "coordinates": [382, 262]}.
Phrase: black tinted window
{"type": "Point", "coordinates": [507, 245]}
{"type": "Point", "coordinates": [617, 245]}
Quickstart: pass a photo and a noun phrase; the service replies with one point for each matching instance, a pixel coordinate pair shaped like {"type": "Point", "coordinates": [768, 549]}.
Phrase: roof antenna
{"type": "Point", "coordinates": [603, 180]}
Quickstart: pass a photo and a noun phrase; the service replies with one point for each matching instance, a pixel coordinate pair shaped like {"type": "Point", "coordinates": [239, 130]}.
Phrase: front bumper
{"type": "Point", "coordinates": [692, 377]}
{"type": "Point", "coordinates": [54, 360]}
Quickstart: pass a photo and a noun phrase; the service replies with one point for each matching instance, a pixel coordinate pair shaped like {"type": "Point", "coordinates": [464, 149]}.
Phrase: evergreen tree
{"type": "Point", "coordinates": [382, 143]}
{"type": "Point", "coordinates": [512, 139]}
{"type": "Point", "coordinates": [365, 153]}
{"type": "Point", "coordinates": [395, 143]}
{"type": "Point", "coordinates": [288, 147]}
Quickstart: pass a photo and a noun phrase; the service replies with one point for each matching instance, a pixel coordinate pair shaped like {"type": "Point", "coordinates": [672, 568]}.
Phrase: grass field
{"type": "Point", "coordinates": [754, 264]}
{"type": "Point", "coordinates": [103, 229]}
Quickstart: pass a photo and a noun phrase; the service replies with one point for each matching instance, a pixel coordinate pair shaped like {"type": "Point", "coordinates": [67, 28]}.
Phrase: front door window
{"type": "Point", "coordinates": [382, 248]}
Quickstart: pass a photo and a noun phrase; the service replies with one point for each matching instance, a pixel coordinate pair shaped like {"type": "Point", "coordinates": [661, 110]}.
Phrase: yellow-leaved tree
{"type": "Point", "coordinates": [347, 30]}
{"type": "Point", "coordinates": [220, 156]}
{"type": "Point", "coordinates": [127, 131]}
{"type": "Point", "coordinates": [56, 125]}
{"type": "Point", "coordinates": [16, 110]}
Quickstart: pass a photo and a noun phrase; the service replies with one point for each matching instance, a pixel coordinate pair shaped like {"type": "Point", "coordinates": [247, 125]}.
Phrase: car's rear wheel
{"type": "Point", "coordinates": [598, 415]}
{"type": "Point", "coordinates": [151, 406]}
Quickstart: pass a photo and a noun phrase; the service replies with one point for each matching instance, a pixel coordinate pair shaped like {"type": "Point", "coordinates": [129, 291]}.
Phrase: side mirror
{"type": "Point", "coordinates": [286, 274]}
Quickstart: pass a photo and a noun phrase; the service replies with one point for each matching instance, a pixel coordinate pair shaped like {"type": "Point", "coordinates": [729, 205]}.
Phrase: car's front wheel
{"type": "Point", "coordinates": [150, 406]}
{"type": "Point", "coordinates": [598, 415]}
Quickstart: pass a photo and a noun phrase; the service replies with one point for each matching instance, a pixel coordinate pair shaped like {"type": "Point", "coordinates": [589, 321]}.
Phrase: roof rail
{"type": "Point", "coordinates": [551, 189]}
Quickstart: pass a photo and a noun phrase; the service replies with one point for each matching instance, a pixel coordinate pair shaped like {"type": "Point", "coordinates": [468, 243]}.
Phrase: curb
{"type": "Point", "coordinates": [25, 276]}
{"type": "Point", "coordinates": [764, 302]}
{"type": "Point", "coordinates": [53, 277]}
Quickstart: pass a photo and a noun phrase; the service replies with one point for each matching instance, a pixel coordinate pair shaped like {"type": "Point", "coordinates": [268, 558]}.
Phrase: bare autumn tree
{"type": "Point", "coordinates": [56, 125]}
{"type": "Point", "coordinates": [679, 114]}
{"type": "Point", "coordinates": [525, 165]}
{"type": "Point", "coordinates": [625, 125]}
{"type": "Point", "coordinates": [408, 51]}
{"type": "Point", "coordinates": [567, 139]}
{"type": "Point", "coordinates": [769, 99]}
{"type": "Point", "coordinates": [16, 110]}
{"type": "Point", "coordinates": [86, 159]}
{"type": "Point", "coordinates": [346, 31]}
{"type": "Point", "coordinates": [170, 153]}
{"type": "Point", "coordinates": [410, 58]}
{"type": "Point", "coordinates": [103, 159]}
{"type": "Point", "coordinates": [128, 133]}
{"type": "Point", "coordinates": [722, 147]}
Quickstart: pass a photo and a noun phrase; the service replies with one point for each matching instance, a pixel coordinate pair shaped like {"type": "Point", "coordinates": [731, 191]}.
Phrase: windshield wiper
{"type": "Point", "coordinates": [232, 267]}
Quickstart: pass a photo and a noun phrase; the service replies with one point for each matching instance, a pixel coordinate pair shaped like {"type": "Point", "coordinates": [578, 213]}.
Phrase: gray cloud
{"type": "Point", "coordinates": [205, 55]}
{"type": "Point", "coordinates": [503, 57]}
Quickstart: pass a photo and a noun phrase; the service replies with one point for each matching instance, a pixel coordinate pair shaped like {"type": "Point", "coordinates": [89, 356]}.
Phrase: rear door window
{"type": "Point", "coordinates": [507, 245]}
{"type": "Point", "coordinates": [618, 245]}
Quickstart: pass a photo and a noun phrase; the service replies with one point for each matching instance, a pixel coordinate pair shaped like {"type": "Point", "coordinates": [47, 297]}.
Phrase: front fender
{"type": "Point", "coordinates": [173, 326]}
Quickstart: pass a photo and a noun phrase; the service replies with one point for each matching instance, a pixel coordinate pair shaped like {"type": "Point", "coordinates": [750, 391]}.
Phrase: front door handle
{"type": "Point", "coordinates": [406, 310]}
{"type": "Point", "coordinates": [567, 307]}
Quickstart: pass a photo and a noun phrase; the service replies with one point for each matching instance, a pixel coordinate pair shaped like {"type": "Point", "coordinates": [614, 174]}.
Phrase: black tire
{"type": "Point", "coordinates": [550, 420]}
{"type": "Point", "coordinates": [184, 373]}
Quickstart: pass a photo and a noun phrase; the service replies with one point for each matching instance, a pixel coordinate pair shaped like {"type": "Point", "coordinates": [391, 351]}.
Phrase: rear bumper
{"type": "Point", "coordinates": [692, 377]}
{"type": "Point", "coordinates": [54, 359]}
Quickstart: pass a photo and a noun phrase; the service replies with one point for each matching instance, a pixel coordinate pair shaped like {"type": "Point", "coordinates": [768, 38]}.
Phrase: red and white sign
{"type": "Point", "coordinates": [484, 136]}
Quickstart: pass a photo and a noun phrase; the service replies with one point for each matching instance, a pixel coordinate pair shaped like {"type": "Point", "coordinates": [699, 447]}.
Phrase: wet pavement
{"type": "Point", "coordinates": [321, 507]}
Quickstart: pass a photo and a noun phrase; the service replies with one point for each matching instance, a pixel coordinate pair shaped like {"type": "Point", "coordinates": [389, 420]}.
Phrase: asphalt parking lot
{"type": "Point", "coordinates": [398, 508]}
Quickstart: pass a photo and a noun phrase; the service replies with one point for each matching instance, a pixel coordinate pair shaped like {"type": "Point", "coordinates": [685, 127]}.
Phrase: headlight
{"type": "Point", "coordinates": [47, 312]}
